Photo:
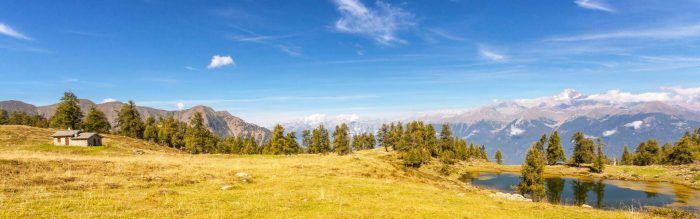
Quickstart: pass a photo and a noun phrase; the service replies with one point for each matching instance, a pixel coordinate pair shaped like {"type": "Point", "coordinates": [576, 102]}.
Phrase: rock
{"type": "Point", "coordinates": [242, 175]}
{"type": "Point", "coordinates": [226, 187]}
{"type": "Point", "coordinates": [514, 197]}
{"type": "Point", "coordinates": [586, 206]}
{"type": "Point", "coordinates": [139, 152]}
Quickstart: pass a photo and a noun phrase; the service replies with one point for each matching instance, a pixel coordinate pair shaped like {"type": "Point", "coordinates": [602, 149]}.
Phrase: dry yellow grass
{"type": "Point", "coordinates": [164, 184]}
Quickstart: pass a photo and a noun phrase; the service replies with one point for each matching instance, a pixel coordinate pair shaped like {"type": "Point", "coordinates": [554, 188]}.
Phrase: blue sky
{"type": "Point", "coordinates": [269, 61]}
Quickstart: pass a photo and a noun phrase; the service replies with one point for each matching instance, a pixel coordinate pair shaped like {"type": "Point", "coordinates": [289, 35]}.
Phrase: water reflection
{"type": "Point", "coordinates": [616, 194]}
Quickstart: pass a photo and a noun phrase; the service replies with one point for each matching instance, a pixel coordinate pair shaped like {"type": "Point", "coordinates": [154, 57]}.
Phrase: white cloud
{"type": "Point", "coordinates": [180, 105]}
{"type": "Point", "coordinates": [109, 100]}
{"type": "Point", "coordinates": [220, 61]}
{"type": "Point", "coordinates": [315, 118]}
{"type": "Point", "coordinates": [190, 68]}
{"type": "Point", "coordinates": [8, 31]}
{"type": "Point", "coordinates": [594, 5]}
{"type": "Point", "coordinates": [607, 133]}
{"type": "Point", "coordinates": [636, 124]}
{"type": "Point", "coordinates": [380, 24]}
{"type": "Point", "coordinates": [493, 56]}
{"type": "Point", "coordinates": [676, 32]}
{"type": "Point", "coordinates": [617, 96]}
{"type": "Point", "coordinates": [516, 131]}
{"type": "Point", "coordinates": [347, 117]}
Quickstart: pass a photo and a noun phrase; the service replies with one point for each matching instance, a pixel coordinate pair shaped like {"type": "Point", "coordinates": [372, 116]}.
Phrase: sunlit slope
{"type": "Point", "coordinates": [166, 185]}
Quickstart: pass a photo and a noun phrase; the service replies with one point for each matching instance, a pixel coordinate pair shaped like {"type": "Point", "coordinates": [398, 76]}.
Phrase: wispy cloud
{"type": "Point", "coordinates": [381, 24]}
{"type": "Point", "coordinates": [491, 55]}
{"type": "Point", "coordinates": [262, 99]}
{"type": "Point", "coordinates": [446, 35]}
{"type": "Point", "coordinates": [9, 31]}
{"type": "Point", "coordinates": [270, 40]}
{"type": "Point", "coordinates": [677, 32]}
{"type": "Point", "coordinates": [218, 61]}
{"type": "Point", "coordinates": [594, 5]}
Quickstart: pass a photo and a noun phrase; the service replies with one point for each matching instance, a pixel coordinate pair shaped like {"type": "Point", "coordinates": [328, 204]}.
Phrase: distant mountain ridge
{"type": "Point", "coordinates": [221, 123]}
{"type": "Point", "coordinates": [616, 117]}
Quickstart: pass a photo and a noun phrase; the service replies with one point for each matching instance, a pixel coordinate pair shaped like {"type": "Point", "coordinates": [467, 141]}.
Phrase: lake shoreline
{"type": "Point", "coordinates": [687, 175]}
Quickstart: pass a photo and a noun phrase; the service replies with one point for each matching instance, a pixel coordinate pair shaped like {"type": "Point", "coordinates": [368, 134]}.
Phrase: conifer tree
{"type": "Point", "coordinates": [198, 139]}
{"type": "Point", "coordinates": [555, 151]}
{"type": "Point", "coordinates": [291, 145]}
{"type": "Point", "coordinates": [446, 139]}
{"type": "Point", "coordinates": [320, 141]}
{"type": "Point", "coordinates": [532, 175]}
{"type": "Point", "coordinates": [540, 143]}
{"type": "Point", "coordinates": [599, 162]}
{"type": "Point", "coordinates": [68, 114]}
{"type": "Point", "coordinates": [150, 131]}
{"type": "Point", "coordinates": [341, 140]}
{"type": "Point", "coordinates": [647, 153]}
{"type": "Point", "coordinates": [277, 141]}
{"type": "Point", "coordinates": [129, 121]}
{"type": "Point", "coordinates": [384, 137]}
{"type": "Point", "coordinates": [4, 117]}
{"type": "Point", "coordinates": [681, 152]}
{"type": "Point", "coordinates": [626, 158]}
{"type": "Point", "coordinates": [498, 157]}
{"type": "Point", "coordinates": [249, 146]}
{"type": "Point", "coordinates": [583, 149]}
{"type": "Point", "coordinates": [96, 121]}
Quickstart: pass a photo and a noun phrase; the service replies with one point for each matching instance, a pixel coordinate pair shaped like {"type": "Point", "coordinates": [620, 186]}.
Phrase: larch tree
{"type": "Point", "coordinates": [599, 161]}
{"type": "Point", "coordinates": [498, 157]}
{"type": "Point", "coordinates": [96, 121]}
{"type": "Point", "coordinates": [150, 131]}
{"type": "Point", "coordinates": [198, 139]}
{"type": "Point", "coordinates": [647, 153]}
{"type": "Point", "coordinates": [4, 117]}
{"type": "Point", "coordinates": [584, 149]}
{"type": "Point", "coordinates": [627, 158]}
{"type": "Point", "coordinates": [681, 153]}
{"type": "Point", "coordinates": [68, 114]}
{"type": "Point", "coordinates": [277, 141]}
{"type": "Point", "coordinates": [129, 121]}
{"type": "Point", "coordinates": [555, 151]}
{"type": "Point", "coordinates": [341, 140]}
{"type": "Point", "coordinates": [532, 175]}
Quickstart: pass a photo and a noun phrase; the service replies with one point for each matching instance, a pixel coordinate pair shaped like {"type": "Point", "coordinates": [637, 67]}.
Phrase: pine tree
{"type": "Point", "coordinates": [583, 149]}
{"type": "Point", "coordinates": [150, 131]}
{"type": "Point", "coordinates": [129, 121]}
{"type": "Point", "coordinates": [341, 140]}
{"type": "Point", "coordinates": [626, 158]}
{"type": "Point", "coordinates": [96, 121]}
{"type": "Point", "coordinates": [250, 146]}
{"type": "Point", "coordinates": [198, 139]}
{"type": "Point", "coordinates": [446, 139]}
{"type": "Point", "coordinates": [599, 162]}
{"type": "Point", "coordinates": [647, 153]}
{"type": "Point", "coordinates": [532, 175]}
{"type": "Point", "coordinates": [68, 114]}
{"type": "Point", "coordinates": [291, 145]}
{"type": "Point", "coordinates": [384, 135]}
{"type": "Point", "coordinates": [555, 152]}
{"type": "Point", "coordinates": [540, 143]}
{"type": "Point", "coordinates": [681, 152]}
{"type": "Point", "coordinates": [278, 141]}
{"type": "Point", "coordinates": [320, 141]}
{"type": "Point", "coordinates": [4, 117]}
{"type": "Point", "coordinates": [498, 157]}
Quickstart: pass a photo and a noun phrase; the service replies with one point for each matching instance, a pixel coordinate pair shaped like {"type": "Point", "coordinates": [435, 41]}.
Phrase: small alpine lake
{"type": "Point", "coordinates": [598, 193]}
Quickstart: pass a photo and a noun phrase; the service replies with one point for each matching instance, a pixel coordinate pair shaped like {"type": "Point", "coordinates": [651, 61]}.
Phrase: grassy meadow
{"type": "Point", "coordinates": [39, 180]}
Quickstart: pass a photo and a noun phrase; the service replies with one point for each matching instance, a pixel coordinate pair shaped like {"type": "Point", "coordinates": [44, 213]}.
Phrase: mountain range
{"type": "Point", "coordinates": [221, 123]}
{"type": "Point", "coordinates": [618, 118]}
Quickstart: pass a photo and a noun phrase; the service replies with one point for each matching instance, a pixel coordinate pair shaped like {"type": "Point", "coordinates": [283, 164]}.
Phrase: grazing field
{"type": "Point", "coordinates": [41, 180]}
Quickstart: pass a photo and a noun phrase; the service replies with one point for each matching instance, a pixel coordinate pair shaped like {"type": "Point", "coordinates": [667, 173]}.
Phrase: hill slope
{"type": "Point", "coordinates": [166, 185]}
{"type": "Point", "coordinates": [221, 123]}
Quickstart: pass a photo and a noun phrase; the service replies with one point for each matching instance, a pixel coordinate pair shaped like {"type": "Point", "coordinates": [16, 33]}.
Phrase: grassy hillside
{"type": "Point", "coordinates": [37, 180]}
